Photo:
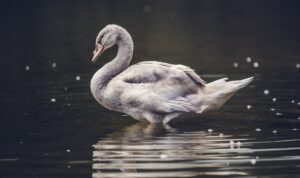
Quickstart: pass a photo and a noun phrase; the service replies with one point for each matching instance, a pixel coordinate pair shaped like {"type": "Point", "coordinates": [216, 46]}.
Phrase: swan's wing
{"type": "Point", "coordinates": [191, 73]}
{"type": "Point", "coordinates": [144, 73]}
{"type": "Point", "coordinates": [187, 70]}
{"type": "Point", "coordinates": [179, 104]}
{"type": "Point", "coordinates": [157, 86]}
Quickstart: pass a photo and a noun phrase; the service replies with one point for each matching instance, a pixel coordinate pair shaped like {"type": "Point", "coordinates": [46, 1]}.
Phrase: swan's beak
{"type": "Point", "coordinates": [97, 52]}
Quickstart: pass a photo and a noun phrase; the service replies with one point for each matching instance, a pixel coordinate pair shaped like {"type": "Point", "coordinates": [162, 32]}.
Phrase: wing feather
{"type": "Point", "coordinates": [187, 70]}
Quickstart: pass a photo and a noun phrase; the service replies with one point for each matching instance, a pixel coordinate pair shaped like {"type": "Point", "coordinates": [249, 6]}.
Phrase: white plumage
{"type": "Point", "coordinates": [153, 91]}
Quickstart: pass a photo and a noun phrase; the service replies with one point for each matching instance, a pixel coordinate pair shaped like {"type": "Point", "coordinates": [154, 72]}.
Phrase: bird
{"type": "Point", "coordinates": [153, 91]}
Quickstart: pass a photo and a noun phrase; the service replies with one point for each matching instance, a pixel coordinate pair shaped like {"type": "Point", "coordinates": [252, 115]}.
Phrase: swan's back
{"type": "Point", "coordinates": [166, 80]}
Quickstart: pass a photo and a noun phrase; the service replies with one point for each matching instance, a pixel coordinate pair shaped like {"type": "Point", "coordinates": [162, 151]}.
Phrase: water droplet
{"type": "Point", "coordinates": [274, 131]}
{"type": "Point", "coordinates": [77, 77]}
{"type": "Point", "coordinates": [53, 100]}
{"type": "Point", "coordinates": [235, 65]}
{"type": "Point", "coordinates": [221, 135]}
{"type": "Point", "coordinates": [68, 150]}
{"type": "Point", "coordinates": [163, 156]}
{"type": "Point", "coordinates": [274, 100]}
{"type": "Point", "coordinates": [266, 92]}
{"type": "Point", "coordinates": [298, 118]}
{"type": "Point", "coordinates": [231, 143]}
{"type": "Point", "coordinates": [278, 114]}
{"type": "Point", "coordinates": [210, 130]}
{"type": "Point", "coordinates": [27, 68]}
{"type": "Point", "coordinates": [298, 66]}
{"type": "Point", "coordinates": [298, 103]}
{"type": "Point", "coordinates": [293, 101]}
{"type": "Point", "coordinates": [53, 65]}
{"type": "Point", "coordinates": [249, 106]}
{"type": "Point", "coordinates": [253, 161]}
{"type": "Point", "coordinates": [258, 129]}
{"type": "Point", "coordinates": [294, 129]}
{"type": "Point", "coordinates": [272, 109]}
{"type": "Point", "coordinates": [147, 9]}
{"type": "Point", "coordinates": [248, 59]}
{"type": "Point", "coordinates": [256, 64]}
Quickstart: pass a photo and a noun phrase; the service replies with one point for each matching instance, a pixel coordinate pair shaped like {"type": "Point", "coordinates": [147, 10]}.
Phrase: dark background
{"type": "Point", "coordinates": [205, 32]}
{"type": "Point", "coordinates": [207, 35]}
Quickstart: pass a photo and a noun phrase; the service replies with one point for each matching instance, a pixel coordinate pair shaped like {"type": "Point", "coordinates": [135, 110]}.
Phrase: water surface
{"type": "Point", "coordinates": [52, 127]}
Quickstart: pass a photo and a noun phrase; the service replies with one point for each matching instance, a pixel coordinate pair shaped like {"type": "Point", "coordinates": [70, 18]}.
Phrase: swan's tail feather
{"type": "Point", "coordinates": [220, 91]}
{"type": "Point", "coordinates": [239, 84]}
{"type": "Point", "coordinates": [222, 86]}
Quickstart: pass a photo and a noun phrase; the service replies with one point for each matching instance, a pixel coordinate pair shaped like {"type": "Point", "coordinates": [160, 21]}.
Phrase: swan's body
{"type": "Point", "coordinates": [153, 91]}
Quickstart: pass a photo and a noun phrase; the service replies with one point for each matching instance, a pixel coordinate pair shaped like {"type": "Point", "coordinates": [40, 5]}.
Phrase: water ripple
{"type": "Point", "coordinates": [145, 150]}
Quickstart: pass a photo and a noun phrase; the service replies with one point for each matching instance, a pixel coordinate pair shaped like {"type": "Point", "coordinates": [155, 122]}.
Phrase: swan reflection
{"type": "Point", "coordinates": [149, 150]}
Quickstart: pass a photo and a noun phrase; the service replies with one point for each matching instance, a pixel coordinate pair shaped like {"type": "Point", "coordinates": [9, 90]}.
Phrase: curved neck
{"type": "Point", "coordinates": [125, 51]}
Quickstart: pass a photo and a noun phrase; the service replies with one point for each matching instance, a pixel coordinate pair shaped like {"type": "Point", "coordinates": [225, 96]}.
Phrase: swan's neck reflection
{"type": "Point", "coordinates": [149, 150]}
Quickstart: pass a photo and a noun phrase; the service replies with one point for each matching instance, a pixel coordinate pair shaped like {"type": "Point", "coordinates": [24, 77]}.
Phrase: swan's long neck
{"type": "Point", "coordinates": [125, 50]}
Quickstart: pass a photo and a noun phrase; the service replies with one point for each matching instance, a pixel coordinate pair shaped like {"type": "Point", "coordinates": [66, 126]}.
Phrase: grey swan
{"type": "Point", "coordinates": [153, 91]}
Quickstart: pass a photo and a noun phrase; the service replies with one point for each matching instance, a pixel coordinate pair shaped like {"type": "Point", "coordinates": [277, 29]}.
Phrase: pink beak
{"type": "Point", "coordinates": [97, 52]}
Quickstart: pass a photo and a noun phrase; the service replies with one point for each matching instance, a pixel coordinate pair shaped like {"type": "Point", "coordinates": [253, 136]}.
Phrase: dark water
{"type": "Point", "coordinates": [52, 127]}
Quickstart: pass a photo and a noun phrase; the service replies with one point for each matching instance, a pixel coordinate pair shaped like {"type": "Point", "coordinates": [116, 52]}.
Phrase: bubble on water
{"type": "Point", "coordinates": [68, 150]}
{"type": "Point", "coordinates": [278, 114]}
{"type": "Point", "coordinates": [27, 68]}
{"type": "Point", "coordinates": [249, 106]}
{"type": "Point", "coordinates": [147, 9]}
{"type": "Point", "coordinates": [297, 66]}
{"type": "Point", "coordinates": [274, 131]}
{"type": "Point", "coordinates": [256, 64]}
{"type": "Point", "coordinates": [266, 92]}
{"type": "Point", "coordinates": [210, 130]}
{"type": "Point", "coordinates": [293, 101]}
{"type": "Point", "coordinates": [272, 109]}
{"type": "Point", "coordinates": [253, 161]}
{"type": "Point", "coordinates": [258, 129]}
{"type": "Point", "coordinates": [294, 129]}
{"type": "Point", "coordinates": [163, 156]}
{"type": "Point", "coordinates": [274, 100]}
{"type": "Point", "coordinates": [53, 65]}
{"type": "Point", "coordinates": [53, 100]}
{"type": "Point", "coordinates": [77, 78]}
{"type": "Point", "coordinates": [235, 65]}
{"type": "Point", "coordinates": [248, 59]}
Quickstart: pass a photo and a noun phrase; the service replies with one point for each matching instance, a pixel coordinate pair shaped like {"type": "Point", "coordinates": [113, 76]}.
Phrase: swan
{"type": "Point", "coordinates": [153, 91]}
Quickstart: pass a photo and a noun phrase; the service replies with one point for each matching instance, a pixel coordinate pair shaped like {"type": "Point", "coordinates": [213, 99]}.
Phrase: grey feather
{"type": "Point", "coordinates": [154, 91]}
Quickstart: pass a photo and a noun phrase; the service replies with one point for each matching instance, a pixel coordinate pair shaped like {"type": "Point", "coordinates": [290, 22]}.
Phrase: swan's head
{"type": "Point", "coordinates": [106, 38]}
